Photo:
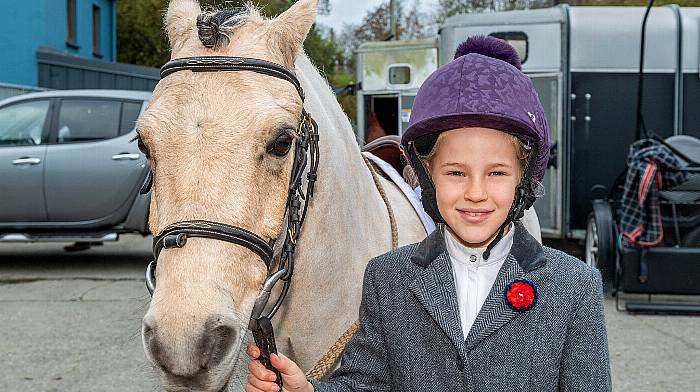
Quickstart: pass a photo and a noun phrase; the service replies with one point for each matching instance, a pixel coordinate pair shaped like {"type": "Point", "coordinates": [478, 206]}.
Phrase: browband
{"type": "Point", "coordinates": [225, 63]}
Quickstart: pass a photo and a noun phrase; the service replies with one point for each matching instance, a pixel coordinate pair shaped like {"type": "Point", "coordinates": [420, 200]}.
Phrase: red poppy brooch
{"type": "Point", "coordinates": [521, 295]}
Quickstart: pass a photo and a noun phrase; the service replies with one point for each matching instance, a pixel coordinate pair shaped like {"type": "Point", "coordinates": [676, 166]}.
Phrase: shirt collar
{"type": "Point", "coordinates": [526, 250]}
{"type": "Point", "coordinates": [473, 257]}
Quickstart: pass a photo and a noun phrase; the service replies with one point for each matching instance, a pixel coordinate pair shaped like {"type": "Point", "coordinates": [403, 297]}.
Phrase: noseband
{"type": "Point", "coordinates": [306, 153]}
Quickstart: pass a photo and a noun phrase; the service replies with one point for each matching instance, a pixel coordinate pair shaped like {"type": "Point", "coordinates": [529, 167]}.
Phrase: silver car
{"type": "Point", "coordinates": [69, 169]}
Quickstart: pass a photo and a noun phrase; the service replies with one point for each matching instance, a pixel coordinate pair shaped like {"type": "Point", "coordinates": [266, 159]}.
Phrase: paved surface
{"type": "Point", "coordinates": [71, 322]}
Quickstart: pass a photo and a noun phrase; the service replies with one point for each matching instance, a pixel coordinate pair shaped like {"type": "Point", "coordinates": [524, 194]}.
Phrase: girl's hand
{"type": "Point", "coordinates": [261, 379]}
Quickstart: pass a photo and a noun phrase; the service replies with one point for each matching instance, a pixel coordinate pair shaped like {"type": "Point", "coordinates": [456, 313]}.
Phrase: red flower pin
{"type": "Point", "coordinates": [521, 295]}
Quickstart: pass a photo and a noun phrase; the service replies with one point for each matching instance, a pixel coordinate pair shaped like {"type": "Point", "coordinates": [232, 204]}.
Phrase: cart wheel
{"type": "Point", "coordinates": [600, 242]}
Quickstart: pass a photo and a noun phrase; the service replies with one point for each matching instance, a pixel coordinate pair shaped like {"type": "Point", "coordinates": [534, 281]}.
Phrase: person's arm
{"type": "Point", "coordinates": [363, 363]}
{"type": "Point", "coordinates": [585, 364]}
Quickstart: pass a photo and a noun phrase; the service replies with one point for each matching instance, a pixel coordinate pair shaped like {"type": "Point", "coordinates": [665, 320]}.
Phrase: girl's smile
{"type": "Point", "coordinates": [474, 215]}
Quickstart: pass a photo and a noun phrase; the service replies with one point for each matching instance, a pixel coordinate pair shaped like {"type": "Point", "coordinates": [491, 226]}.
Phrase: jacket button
{"type": "Point", "coordinates": [472, 258]}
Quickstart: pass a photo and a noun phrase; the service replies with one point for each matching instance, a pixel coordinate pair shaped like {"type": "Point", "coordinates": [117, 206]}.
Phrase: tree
{"type": "Point", "coordinates": [447, 8]}
{"type": "Point", "coordinates": [375, 26]}
{"type": "Point", "coordinates": [141, 39]}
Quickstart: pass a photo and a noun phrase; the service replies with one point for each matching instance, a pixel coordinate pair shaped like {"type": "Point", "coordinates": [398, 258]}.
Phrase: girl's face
{"type": "Point", "coordinates": [476, 171]}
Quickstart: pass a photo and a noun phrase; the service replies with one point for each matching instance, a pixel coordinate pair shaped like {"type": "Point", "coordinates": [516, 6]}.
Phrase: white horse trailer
{"type": "Point", "coordinates": [584, 63]}
{"type": "Point", "coordinates": [390, 73]}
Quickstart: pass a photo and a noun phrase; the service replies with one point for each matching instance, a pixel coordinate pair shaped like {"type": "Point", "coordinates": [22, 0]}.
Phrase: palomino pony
{"type": "Point", "coordinates": [208, 136]}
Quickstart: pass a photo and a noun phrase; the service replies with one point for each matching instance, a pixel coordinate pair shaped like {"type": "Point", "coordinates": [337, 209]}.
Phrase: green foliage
{"type": "Point", "coordinates": [348, 102]}
{"type": "Point", "coordinates": [141, 39]}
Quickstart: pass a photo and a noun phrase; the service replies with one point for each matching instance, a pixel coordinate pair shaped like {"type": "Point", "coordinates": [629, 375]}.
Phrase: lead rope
{"type": "Point", "coordinates": [324, 366]}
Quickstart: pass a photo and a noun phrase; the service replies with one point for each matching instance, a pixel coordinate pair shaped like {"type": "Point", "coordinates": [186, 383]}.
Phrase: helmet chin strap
{"type": "Point", "coordinates": [517, 210]}
{"type": "Point", "coordinates": [428, 196]}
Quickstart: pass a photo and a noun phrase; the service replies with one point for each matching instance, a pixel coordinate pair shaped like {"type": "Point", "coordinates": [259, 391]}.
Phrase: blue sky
{"type": "Point", "coordinates": [352, 11]}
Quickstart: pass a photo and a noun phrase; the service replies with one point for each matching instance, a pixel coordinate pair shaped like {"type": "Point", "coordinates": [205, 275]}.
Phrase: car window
{"type": "Point", "coordinates": [22, 124]}
{"type": "Point", "coordinates": [130, 112]}
{"type": "Point", "coordinates": [84, 120]}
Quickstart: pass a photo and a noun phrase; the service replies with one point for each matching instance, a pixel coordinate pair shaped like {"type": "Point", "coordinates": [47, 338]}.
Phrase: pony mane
{"type": "Point", "coordinates": [214, 25]}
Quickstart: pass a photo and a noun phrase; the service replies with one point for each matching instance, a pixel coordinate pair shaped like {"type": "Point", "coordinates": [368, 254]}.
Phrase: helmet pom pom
{"type": "Point", "coordinates": [490, 47]}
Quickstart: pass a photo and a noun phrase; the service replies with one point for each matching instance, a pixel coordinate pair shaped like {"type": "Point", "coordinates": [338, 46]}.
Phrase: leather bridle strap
{"type": "Point", "coordinates": [175, 236]}
{"type": "Point", "coordinates": [224, 63]}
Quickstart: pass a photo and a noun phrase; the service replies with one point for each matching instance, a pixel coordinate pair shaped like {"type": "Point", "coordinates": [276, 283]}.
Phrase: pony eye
{"type": "Point", "coordinates": [281, 145]}
{"type": "Point", "coordinates": [143, 148]}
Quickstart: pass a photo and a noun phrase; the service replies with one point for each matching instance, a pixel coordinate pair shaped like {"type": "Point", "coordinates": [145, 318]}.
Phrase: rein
{"type": "Point", "coordinates": [306, 154]}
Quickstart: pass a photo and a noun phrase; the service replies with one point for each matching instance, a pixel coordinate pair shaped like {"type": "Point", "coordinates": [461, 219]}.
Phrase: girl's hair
{"type": "Point", "coordinates": [522, 152]}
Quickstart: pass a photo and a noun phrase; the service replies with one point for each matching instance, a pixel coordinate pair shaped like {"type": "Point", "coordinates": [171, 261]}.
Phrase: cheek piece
{"type": "Point", "coordinates": [524, 196]}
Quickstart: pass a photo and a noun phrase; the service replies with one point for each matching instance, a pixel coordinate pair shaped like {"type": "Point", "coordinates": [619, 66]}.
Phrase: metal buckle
{"type": "Point", "coordinates": [151, 277]}
{"type": "Point", "coordinates": [264, 296]}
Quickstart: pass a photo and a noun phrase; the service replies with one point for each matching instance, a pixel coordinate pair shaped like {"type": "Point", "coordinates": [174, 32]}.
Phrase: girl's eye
{"type": "Point", "coordinates": [455, 173]}
{"type": "Point", "coordinates": [281, 145]}
{"type": "Point", "coordinates": [497, 173]}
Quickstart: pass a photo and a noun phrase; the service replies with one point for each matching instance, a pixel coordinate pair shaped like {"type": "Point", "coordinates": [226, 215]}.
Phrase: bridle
{"type": "Point", "coordinates": [306, 153]}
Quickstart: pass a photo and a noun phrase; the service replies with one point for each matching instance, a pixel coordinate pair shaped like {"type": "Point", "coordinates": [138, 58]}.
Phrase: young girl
{"type": "Point", "coordinates": [479, 304]}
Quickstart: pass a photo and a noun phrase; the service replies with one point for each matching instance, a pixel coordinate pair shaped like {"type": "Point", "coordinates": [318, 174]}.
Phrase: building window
{"type": "Point", "coordinates": [96, 31]}
{"type": "Point", "coordinates": [70, 23]}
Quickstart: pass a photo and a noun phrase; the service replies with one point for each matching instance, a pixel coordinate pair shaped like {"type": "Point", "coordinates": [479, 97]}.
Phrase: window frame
{"type": "Point", "coordinates": [53, 134]}
{"type": "Point", "coordinates": [48, 120]}
{"type": "Point", "coordinates": [96, 36]}
{"type": "Point", "coordinates": [121, 114]}
{"type": "Point", "coordinates": [399, 65]}
{"type": "Point", "coordinates": [71, 25]}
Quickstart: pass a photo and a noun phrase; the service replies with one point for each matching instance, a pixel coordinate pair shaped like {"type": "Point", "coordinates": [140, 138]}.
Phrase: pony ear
{"type": "Point", "coordinates": [181, 23]}
{"type": "Point", "coordinates": [291, 28]}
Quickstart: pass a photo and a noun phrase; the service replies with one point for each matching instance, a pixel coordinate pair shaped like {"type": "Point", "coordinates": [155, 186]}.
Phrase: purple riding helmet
{"type": "Point", "coordinates": [482, 87]}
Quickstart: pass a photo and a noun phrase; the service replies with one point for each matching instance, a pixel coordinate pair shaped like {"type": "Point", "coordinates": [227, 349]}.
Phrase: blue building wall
{"type": "Point", "coordinates": [29, 24]}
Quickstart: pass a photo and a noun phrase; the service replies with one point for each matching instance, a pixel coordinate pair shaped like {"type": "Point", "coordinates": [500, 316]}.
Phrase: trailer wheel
{"type": "Point", "coordinates": [600, 242]}
{"type": "Point", "coordinates": [692, 239]}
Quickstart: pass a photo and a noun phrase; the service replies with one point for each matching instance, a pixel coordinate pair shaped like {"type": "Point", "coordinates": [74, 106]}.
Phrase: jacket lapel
{"type": "Point", "coordinates": [525, 257]}
{"type": "Point", "coordinates": [434, 286]}
{"type": "Point", "coordinates": [495, 312]}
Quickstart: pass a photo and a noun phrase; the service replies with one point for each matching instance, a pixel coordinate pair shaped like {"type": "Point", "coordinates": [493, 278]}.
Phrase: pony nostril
{"type": "Point", "coordinates": [217, 342]}
{"type": "Point", "coordinates": [147, 331]}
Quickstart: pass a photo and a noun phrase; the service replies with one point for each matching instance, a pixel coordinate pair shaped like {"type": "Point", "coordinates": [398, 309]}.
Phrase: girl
{"type": "Point", "coordinates": [479, 304]}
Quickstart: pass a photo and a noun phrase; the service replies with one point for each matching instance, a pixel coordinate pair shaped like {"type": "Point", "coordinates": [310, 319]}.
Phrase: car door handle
{"type": "Point", "coordinates": [125, 156]}
{"type": "Point", "coordinates": [26, 161]}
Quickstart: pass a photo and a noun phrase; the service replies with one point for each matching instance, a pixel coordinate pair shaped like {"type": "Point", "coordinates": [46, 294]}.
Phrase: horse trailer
{"type": "Point", "coordinates": [584, 63]}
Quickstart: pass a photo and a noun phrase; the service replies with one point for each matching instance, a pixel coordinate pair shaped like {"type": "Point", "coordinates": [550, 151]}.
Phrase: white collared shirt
{"type": "Point", "coordinates": [473, 275]}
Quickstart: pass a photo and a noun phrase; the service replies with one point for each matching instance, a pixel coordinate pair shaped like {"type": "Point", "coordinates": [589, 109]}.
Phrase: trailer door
{"type": "Point", "coordinates": [548, 207]}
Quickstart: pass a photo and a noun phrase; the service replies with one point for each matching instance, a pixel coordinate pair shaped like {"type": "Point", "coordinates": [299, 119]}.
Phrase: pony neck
{"type": "Point", "coordinates": [345, 191]}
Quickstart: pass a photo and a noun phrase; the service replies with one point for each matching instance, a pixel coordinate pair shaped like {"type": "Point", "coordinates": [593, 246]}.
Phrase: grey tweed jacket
{"type": "Point", "coordinates": [410, 336]}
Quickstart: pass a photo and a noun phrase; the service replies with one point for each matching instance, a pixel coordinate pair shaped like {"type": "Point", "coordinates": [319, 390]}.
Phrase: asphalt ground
{"type": "Point", "coordinates": [71, 322]}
